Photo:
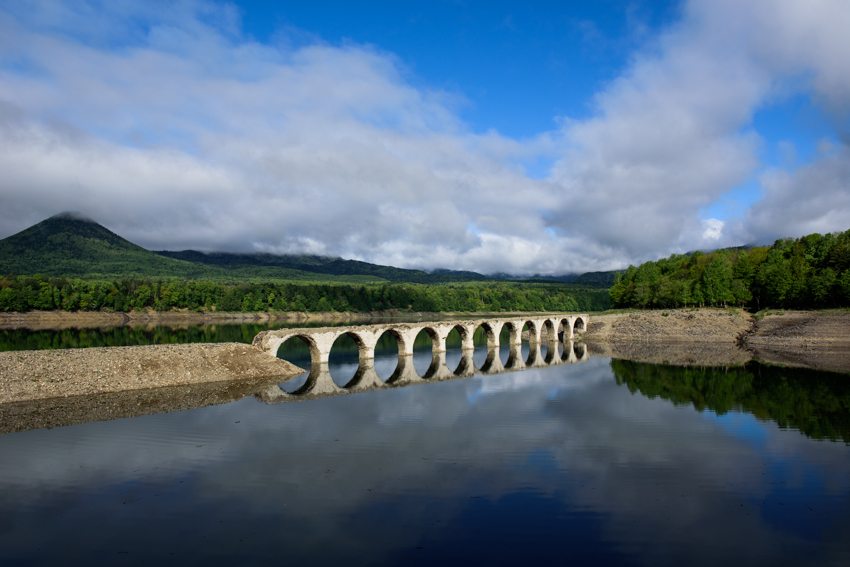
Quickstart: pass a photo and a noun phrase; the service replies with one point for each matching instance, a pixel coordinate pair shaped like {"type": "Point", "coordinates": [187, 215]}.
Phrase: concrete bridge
{"type": "Point", "coordinates": [320, 384]}
{"type": "Point", "coordinates": [541, 333]}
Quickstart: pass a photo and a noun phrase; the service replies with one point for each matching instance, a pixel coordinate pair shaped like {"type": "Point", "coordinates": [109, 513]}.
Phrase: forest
{"type": "Point", "coordinates": [803, 273]}
{"type": "Point", "coordinates": [24, 293]}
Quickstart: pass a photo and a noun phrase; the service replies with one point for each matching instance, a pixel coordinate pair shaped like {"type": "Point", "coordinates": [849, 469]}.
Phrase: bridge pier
{"type": "Point", "coordinates": [404, 373]}
{"type": "Point", "coordinates": [366, 378]}
{"type": "Point", "coordinates": [438, 369]}
{"type": "Point", "coordinates": [466, 367]}
{"type": "Point", "coordinates": [492, 364]}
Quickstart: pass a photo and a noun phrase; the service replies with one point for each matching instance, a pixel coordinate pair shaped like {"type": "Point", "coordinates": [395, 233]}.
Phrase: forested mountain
{"type": "Point", "coordinates": [68, 245]}
{"type": "Point", "coordinates": [808, 272]}
{"type": "Point", "coordinates": [26, 293]}
{"type": "Point", "coordinates": [322, 265]}
{"type": "Point", "coordinates": [71, 263]}
{"type": "Point", "coordinates": [72, 246]}
{"type": "Point", "coordinates": [598, 279]}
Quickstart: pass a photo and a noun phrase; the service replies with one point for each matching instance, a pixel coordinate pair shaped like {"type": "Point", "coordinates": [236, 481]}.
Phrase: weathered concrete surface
{"type": "Point", "coordinates": [321, 339]}
{"type": "Point", "coordinates": [43, 374]}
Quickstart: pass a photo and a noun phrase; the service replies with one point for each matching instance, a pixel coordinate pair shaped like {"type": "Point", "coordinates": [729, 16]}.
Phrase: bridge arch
{"type": "Point", "coordinates": [318, 342]}
{"type": "Point", "coordinates": [579, 351]}
{"type": "Point", "coordinates": [514, 331]}
{"type": "Point", "coordinates": [551, 332]}
{"type": "Point", "coordinates": [427, 335]}
{"type": "Point", "coordinates": [433, 335]}
{"type": "Point", "coordinates": [341, 357]}
{"type": "Point", "coordinates": [549, 344]}
{"type": "Point", "coordinates": [580, 325]}
{"type": "Point", "coordinates": [565, 329]}
{"type": "Point", "coordinates": [492, 332]}
{"type": "Point", "coordinates": [315, 354]}
{"type": "Point", "coordinates": [383, 358]}
{"type": "Point", "coordinates": [533, 332]}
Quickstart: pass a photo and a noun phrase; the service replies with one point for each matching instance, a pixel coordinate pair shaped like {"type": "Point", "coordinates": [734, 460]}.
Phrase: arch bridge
{"type": "Point", "coordinates": [549, 330]}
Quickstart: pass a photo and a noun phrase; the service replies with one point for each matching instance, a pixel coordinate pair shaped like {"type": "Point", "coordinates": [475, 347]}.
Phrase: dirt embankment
{"type": "Point", "coordinates": [43, 374]}
{"type": "Point", "coordinates": [55, 412]}
{"type": "Point", "coordinates": [677, 354]}
{"type": "Point", "coordinates": [812, 339]}
{"type": "Point", "coordinates": [674, 325]}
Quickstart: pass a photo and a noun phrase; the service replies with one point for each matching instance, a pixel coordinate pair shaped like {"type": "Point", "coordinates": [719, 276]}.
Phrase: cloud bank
{"type": "Point", "coordinates": [167, 125]}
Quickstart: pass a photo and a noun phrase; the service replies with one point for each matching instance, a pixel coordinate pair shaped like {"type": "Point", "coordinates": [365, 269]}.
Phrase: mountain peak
{"type": "Point", "coordinates": [73, 215]}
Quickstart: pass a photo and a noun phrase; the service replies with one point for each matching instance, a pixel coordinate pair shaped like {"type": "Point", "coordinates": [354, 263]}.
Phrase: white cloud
{"type": "Point", "coordinates": [814, 198]}
{"type": "Point", "coordinates": [164, 124]}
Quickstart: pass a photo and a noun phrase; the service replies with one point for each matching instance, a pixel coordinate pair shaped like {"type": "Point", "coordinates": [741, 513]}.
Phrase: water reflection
{"type": "Point", "coordinates": [815, 403]}
{"type": "Point", "coordinates": [347, 370]}
{"type": "Point", "coordinates": [137, 333]}
{"type": "Point", "coordinates": [602, 462]}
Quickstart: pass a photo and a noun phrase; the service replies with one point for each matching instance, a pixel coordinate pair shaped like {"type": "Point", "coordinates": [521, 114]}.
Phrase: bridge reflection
{"type": "Point", "coordinates": [320, 384]}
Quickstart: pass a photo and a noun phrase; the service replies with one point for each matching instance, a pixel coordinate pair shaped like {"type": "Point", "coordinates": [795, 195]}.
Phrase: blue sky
{"type": "Point", "coordinates": [524, 137]}
{"type": "Point", "coordinates": [518, 66]}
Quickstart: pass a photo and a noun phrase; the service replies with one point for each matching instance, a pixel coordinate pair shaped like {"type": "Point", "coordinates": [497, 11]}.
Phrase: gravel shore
{"type": "Point", "coordinates": [49, 388]}
{"type": "Point", "coordinates": [672, 325]}
{"type": "Point", "coordinates": [44, 374]}
{"type": "Point", "coordinates": [55, 412]}
{"type": "Point", "coordinates": [810, 339]}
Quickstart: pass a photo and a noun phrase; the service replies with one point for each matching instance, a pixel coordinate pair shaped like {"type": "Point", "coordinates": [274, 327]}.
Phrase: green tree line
{"type": "Point", "coordinates": [814, 402]}
{"type": "Point", "coordinates": [808, 272]}
{"type": "Point", "coordinates": [21, 293]}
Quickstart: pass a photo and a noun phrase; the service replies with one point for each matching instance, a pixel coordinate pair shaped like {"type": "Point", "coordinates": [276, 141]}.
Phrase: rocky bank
{"type": "Point", "coordinates": [45, 374]}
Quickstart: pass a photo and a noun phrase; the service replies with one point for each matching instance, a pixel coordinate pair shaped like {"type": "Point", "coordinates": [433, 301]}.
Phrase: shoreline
{"type": "Point", "coordinates": [813, 339]}
{"type": "Point", "coordinates": [58, 320]}
{"type": "Point", "coordinates": [29, 375]}
{"type": "Point", "coordinates": [48, 388]}
{"type": "Point", "coordinates": [818, 340]}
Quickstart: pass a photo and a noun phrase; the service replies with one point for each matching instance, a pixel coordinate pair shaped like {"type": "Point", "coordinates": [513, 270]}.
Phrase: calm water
{"type": "Point", "coordinates": [601, 462]}
{"type": "Point", "coordinates": [109, 336]}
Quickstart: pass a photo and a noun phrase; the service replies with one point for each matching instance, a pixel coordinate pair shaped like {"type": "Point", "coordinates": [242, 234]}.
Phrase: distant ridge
{"type": "Point", "coordinates": [324, 265]}
{"type": "Point", "coordinates": [72, 245]}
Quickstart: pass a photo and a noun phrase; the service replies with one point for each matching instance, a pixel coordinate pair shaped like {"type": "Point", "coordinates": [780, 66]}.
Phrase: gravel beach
{"type": "Point", "coordinates": [809, 339]}
{"type": "Point", "coordinates": [44, 374]}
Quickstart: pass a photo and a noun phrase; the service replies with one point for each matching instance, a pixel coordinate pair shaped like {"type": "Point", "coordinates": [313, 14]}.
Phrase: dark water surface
{"type": "Point", "coordinates": [604, 462]}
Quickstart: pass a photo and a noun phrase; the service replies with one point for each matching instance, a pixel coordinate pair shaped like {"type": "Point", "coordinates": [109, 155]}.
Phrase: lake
{"type": "Point", "coordinates": [603, 462]}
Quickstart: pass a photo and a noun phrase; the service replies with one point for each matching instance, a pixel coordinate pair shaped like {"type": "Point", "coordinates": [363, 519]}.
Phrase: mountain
{"type": "Point", "coordinates": [323, 265]}
{"type": "Point", "coordinates": [598, 279]}
{"type": "Point", "coordinates": [71, 245]}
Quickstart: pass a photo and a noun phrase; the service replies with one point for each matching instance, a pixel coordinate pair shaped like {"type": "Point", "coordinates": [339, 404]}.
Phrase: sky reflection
{"type": "Point", "coordinates": [544, 465]}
